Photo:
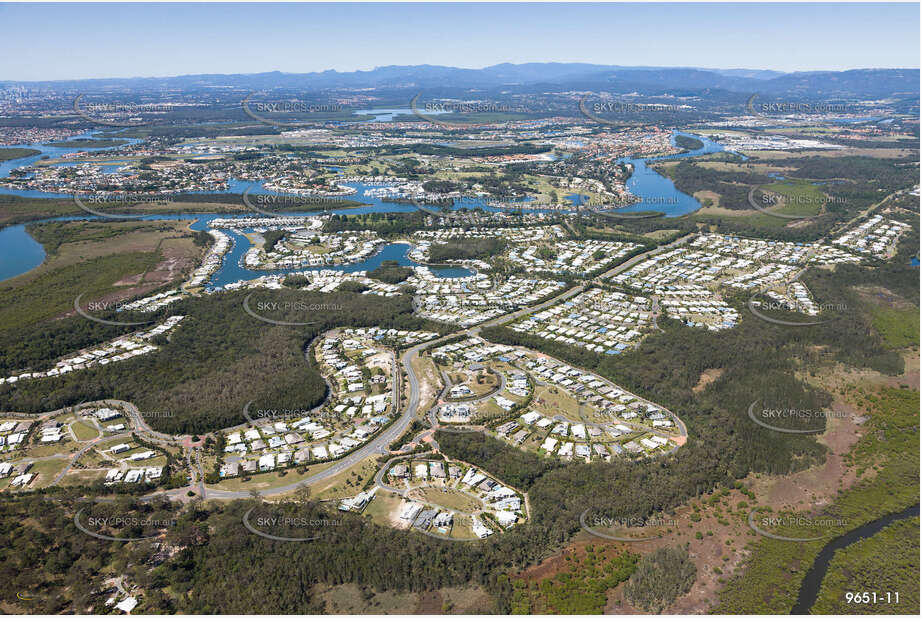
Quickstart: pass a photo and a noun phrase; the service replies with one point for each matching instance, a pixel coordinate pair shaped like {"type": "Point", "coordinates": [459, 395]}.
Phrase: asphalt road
{"type": "Point", "coordinates": [79, 454]}
{"type": "Point", "coordinates": [498, 389]}
{"type": "Point", "coordinates": [380, 443]}
{"type": "Point", "coordinates": [376, 446]}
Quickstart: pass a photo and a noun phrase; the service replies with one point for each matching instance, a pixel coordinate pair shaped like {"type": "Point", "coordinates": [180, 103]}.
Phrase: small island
{"type": "Point", "coordinates": [88, 143]}
{"type": "Point", "coordinates": [687, 142]}
{"type": "Point", "coordinates": [8, 154]}
{"type": "Point", "coordinates": [390, 271]}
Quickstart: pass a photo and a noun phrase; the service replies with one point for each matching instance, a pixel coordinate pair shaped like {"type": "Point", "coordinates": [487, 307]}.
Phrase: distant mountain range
{"type": "Point", "coordinates": [531, 77]}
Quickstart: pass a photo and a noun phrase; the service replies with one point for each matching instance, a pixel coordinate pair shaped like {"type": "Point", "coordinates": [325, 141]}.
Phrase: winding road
{"type": "Point", "coordinates": [381, 483]}
{"type": "Point", "coordinates": [376, 446]}
{"type": "Point", "coordinates": [379, 444]}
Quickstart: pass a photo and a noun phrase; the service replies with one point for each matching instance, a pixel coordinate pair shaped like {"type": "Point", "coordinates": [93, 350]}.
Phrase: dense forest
{"type": "Point", "coordinates": [732, 187]}
{"type": "Point", "coordinates": [272, 238]}
{"type": "Point", "coordinates": [8, 154]}
{"type": "Point", "coordinates": [687, 142]}
{"type": "Point", "coordinates": [45, 558]}
{"type": "Point", "coordinates": [218, 359]}
{"type": "Point", "coordinates": [385, 224]}
{"type": "Point", "coordinates": [851, 184]}
{"type": "Point", "coordinates": [466, 249]}
{"type": "Point", "coordinates": [390, 271]}
{"type": "Point", "coordinates": [887, 562]}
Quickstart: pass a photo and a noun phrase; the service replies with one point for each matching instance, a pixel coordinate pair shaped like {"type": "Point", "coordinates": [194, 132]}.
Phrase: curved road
{"type": "Point", "coordinates": [381, 483]}
{"type": "Point", "coordinates": [378, 444]}
{"type": "Point", "coordinates": [476, 398]}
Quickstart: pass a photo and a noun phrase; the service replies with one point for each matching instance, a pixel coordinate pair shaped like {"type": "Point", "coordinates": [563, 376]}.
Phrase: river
{"type": "Point", "coordinates": [658, 193]}
{"type": "Point", "coordinates": [388, 114]}
{"type": "Point", "coordinates": [20, 253]}
{"type": "Point", "coordinates": [52, 152]}
{"type": "Point", "coordinates": [812, 583]}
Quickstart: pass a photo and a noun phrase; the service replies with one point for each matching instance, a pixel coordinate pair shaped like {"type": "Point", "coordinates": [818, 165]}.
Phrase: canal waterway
{"type": "Point", "coordinates": [20, 253]}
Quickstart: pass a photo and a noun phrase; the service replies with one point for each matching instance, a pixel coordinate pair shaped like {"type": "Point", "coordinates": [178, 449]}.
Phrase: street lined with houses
{"type": "Point", "coordinates": [525, 398]}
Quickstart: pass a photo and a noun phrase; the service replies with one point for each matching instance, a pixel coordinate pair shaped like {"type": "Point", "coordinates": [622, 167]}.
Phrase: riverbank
{"type": "Point", "coordinates": [657, 193]}
{"type": "Point", "coordinates": [108, 263]}
{"type": "Point", "coordinates": [813, 581]}
{"type": "Point", "coordinates": [11, 154]}
{"type": "Point", "coordinates": [870, 474]}
{"type": "Point", "coordinates": [15, 210]}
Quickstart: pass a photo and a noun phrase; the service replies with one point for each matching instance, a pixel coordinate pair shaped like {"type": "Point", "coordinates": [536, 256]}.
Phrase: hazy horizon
{"type": "Point", "coordinates": [168, 40]}
{"type": "Point", "coordinates": [478, 68]}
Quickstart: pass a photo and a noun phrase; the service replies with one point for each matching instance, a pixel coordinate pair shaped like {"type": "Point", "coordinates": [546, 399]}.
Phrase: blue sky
{"type": "Point", "coordinates": [64, 41]}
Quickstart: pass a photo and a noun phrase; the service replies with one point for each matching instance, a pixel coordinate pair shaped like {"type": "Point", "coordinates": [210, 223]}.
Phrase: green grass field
{"type": "Point", "coordinates": [46, 471]}
{"type": "Point", "coordinates": [796, 198]}
{"type": "Point", "coordinates": [84, 430]}
{"type": "Point", "coordinates": [76, 478]}
{"type": "Point", "coordinates": [744, 217]}
{"type": "Point", "coordinates": [897, 327]}
{"type": "Point", "coordinates": [269, 480]}
{"type": "Point", "coordinates": [449, 498]}
{"type": "Point", "coordinates": [551, 401]}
